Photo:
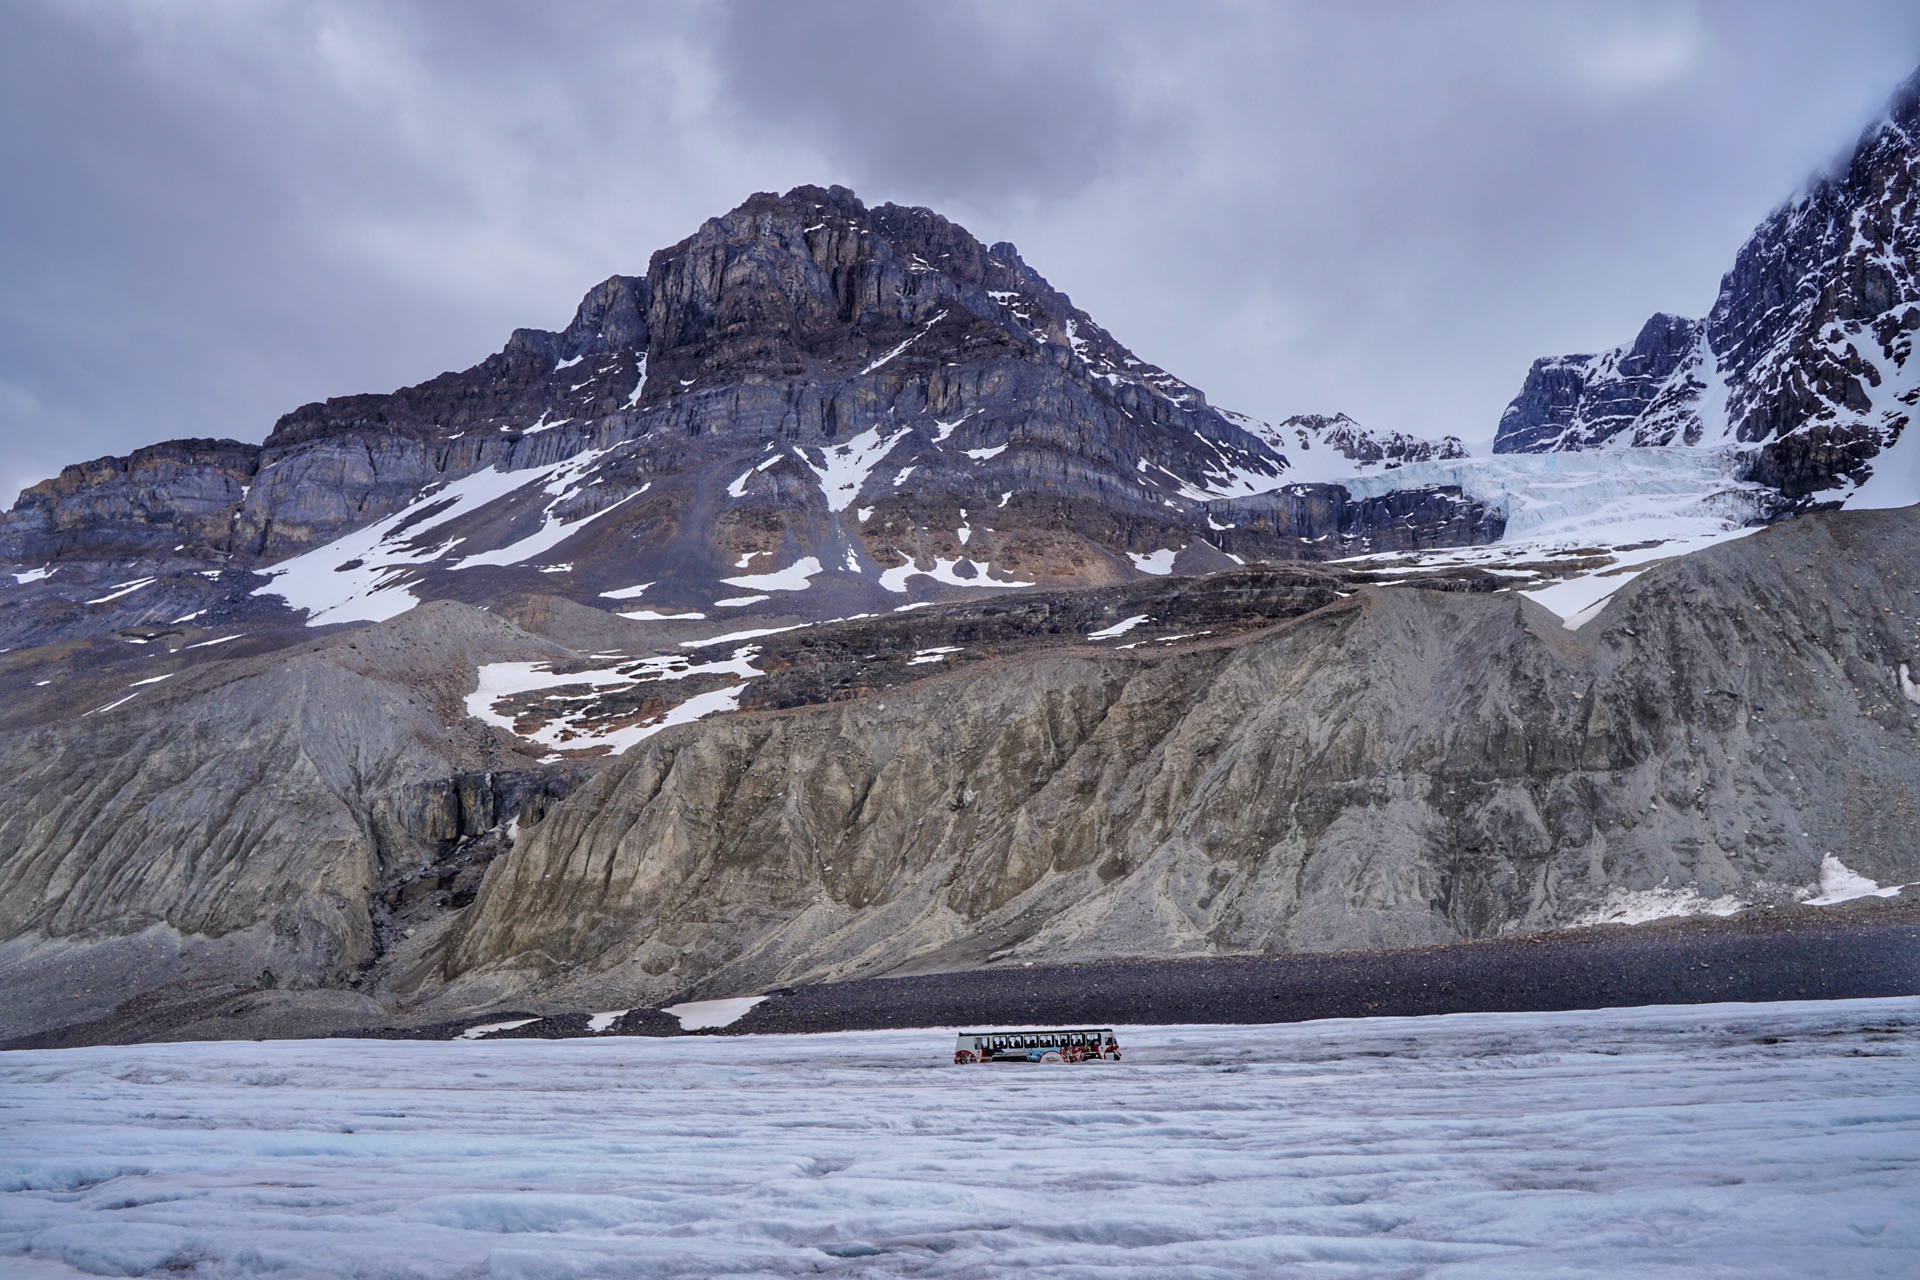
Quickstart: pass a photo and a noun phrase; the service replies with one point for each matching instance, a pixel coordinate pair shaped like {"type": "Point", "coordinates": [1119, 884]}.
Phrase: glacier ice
{"type": "Point", "coordinates": [1760, 1141]}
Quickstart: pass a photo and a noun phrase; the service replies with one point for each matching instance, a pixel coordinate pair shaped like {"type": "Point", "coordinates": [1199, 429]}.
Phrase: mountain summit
{"type": "Point", "coordinates": [806, 395]}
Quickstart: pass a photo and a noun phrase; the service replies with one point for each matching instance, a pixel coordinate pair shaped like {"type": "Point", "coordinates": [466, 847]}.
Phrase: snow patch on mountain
{"type": "Point", "coordinates": [575, 725]}
{"type": "Point", "coordinates": [553, 530]}
{"type": "Point", "coordinates": [1119, 628]}
{"type": "Point", "coordinates": [364, 576]}
{"type": "Point", "coordinates": [888, 358]}
{"type": "Point", "coordinates": [124, 589]}
{"type": "Point", "coordinates": [961, 572]}
{"type": "Point", "coordinates": [1840, 883]}
{"type": "Point", "coordinates": [1580, 598]}
{"type": "Point", "coordinates": [1895, 478]}
{"type": "Point", "coordinates": [843, 468]}
{"type": "Point", "coordinates": [795, 577]}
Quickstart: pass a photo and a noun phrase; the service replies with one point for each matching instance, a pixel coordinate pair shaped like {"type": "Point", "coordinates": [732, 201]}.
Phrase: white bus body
{"type": "Point", "coordinates": [1077, 1045]}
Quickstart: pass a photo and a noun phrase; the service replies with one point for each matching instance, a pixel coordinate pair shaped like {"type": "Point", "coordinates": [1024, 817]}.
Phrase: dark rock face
{"type": "Point", "coordinates": [1806, 355]}
{"type": "Point", "coordinates": [466, 805]}
{"type": "Point", "coordinates": [1329, 523]}
{"type": "Point", "coordinates": [181, 491]}
{"type": "Point", "coordinates": [1578, 402]}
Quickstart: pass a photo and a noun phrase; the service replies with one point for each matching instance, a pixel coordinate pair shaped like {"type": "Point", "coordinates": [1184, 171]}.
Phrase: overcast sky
{"type": "Point", "coordinates": [211, 213]}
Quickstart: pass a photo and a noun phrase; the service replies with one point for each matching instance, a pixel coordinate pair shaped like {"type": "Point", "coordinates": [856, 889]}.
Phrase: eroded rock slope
{"type": "Point", "coordinates": [1401, 767]}
{"type": "Point", "coordinates": [1258, 761]}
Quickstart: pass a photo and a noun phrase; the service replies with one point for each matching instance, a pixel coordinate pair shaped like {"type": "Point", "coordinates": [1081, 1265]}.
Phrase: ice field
{"type": "Point", "coordinates": [1708, 1141]}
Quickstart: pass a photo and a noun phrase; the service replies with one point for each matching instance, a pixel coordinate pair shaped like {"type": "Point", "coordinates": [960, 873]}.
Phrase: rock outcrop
{"type": "Point", "coordinates": [241, 819]}
{"type": "Point", "coordinates": [1582, 402]}
{"type": "Point", "coordinates": [184, 491]}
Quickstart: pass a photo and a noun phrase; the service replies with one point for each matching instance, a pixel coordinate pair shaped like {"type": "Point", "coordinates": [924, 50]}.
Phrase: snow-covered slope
{"type": "Point", "coordinates": [1578, 523]}
{"type": "Point", "coordinates": [1333, 448]}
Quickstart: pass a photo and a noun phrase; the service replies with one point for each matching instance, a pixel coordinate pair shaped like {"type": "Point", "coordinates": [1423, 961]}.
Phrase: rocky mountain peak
{"type": "Point", "coordinates": [814, 283]}
{"type": "Point", "coordinates": [1816, 319]}
{"type": "Point", "coordinates": [807, 407]}
{"type": "Point", "coordinates": [1583, 401]}
{"type": "Point", "coordinates": [612, 317]}
{"type": "Point", "coordinates": [1803, 364]}
{"type": "Point", "coordinates": [809, 281]}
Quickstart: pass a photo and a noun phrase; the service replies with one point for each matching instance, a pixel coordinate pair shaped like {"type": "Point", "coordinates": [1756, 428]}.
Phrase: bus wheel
{"type": "Point", "coordinates": [1052, 1055]}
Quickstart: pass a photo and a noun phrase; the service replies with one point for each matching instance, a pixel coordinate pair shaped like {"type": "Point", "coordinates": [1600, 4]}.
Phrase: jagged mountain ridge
{"type": "Point", "coordinates": [1334, 445]}
{"type": "Point", "coordinates": [804, 389]}
{"type": "Point", "coordinates": [1804, 361]}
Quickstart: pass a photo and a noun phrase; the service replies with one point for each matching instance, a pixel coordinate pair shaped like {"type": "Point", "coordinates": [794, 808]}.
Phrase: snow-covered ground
{"type": "Point", "coordinates": [367, 575]}
{"type": "Point", "coordinates": [1712, 1141]}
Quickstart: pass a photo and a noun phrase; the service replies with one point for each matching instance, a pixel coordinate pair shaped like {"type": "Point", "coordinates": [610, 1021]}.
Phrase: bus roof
{"type": "Point", "coordinates": [1046, 1031]}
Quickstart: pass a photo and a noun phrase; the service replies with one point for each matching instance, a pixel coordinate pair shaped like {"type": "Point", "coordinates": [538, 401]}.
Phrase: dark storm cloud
{"type": "Point", "coordinates": [997, 100]}
{"type": "Point", "coordinates": [112, 198]}
{"type": "Point", "coordinates": [210, 214]}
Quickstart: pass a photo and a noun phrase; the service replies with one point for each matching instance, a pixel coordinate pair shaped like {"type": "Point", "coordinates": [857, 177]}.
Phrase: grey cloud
{"type": "Point", "coordinates": [982, 102]}
{"type": "Point", "coordinates": [214, 215]}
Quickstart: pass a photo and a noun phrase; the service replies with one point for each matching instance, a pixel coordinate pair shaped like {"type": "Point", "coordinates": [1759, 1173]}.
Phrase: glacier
{"type": "Point", "coordinates": [1606, 514]}
{"type": "Point", "coordinates": [1778, 1140]}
